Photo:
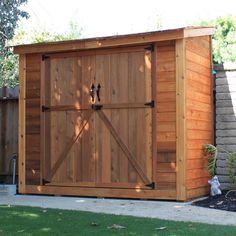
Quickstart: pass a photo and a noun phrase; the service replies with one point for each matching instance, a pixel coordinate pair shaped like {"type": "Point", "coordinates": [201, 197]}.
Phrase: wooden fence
{"type": "Point", "coordinates": [8, 128]}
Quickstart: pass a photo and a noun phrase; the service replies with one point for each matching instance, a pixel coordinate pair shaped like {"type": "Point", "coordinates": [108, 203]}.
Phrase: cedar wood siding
{"type": "Point", "coordinates": [32, 142]}
{"type": "Point", "coordinates": [166, 116]}
{"type": "Point", "coordinates": [199, 113]}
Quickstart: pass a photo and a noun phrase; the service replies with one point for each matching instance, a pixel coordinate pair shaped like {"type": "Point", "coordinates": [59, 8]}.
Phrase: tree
{"type": "Point", "coordinates": [224, 39]}
{"type": "Point", "coordinates": [10, 14]}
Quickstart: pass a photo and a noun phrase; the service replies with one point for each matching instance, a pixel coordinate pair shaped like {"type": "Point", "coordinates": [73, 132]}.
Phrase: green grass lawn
{"type": "Point", "coordinates": [38, 221]}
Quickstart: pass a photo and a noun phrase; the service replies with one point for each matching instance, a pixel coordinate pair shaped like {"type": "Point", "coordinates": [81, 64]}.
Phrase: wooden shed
{"type": "Point", "coordinates": [123, 116]}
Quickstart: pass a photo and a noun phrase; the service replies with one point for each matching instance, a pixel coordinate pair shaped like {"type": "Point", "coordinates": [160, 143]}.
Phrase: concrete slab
{"type": "Point", "coordinates": [153, 209]}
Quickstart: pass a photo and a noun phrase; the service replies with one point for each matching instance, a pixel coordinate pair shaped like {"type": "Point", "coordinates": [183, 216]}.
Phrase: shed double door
{"type": "Point", "coordinates": [97, 119]}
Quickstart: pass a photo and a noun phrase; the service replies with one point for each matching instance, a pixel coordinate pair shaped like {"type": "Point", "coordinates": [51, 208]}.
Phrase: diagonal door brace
{"type": "Point", "coordinates": [125, 149]}
{"type": "Point", "coordinates": [64, 154]}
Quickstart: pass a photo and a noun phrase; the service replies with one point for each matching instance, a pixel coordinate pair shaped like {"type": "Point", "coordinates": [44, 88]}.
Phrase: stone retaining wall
{"type": "Point", "coordinates": [225, 118]}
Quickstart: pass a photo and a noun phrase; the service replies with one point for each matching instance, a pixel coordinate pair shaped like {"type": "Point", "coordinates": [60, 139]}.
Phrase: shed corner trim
{"type": "Point", "coordinates": [198, 31]}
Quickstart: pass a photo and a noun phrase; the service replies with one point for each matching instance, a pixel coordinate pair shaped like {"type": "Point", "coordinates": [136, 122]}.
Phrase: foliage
{"type": "Point", "coordinates": [19, 220]}
{"type": "Point", "coordinates": [211, 151]}
{"type": "Point", "coordinates": [41, 34]}
{"type": "Point", "coordinates": [10, 13]}
{"type": "Point", "coordinates": [9, 70]}
{"type": "Point", "coordinates": [231, 164]}
{"type": "Point", "coordinates": [224, 39]}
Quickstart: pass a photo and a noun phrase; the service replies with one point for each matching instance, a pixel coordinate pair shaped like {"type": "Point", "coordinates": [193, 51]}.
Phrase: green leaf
{"type": "Point", "coordinates": [211, 151]}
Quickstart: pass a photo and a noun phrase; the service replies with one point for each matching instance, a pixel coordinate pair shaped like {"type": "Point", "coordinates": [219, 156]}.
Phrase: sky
{"type": "Point", "coordinates": [112, 17]}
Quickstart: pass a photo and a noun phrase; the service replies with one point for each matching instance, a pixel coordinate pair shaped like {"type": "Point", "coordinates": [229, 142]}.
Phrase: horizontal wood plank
{"type": "Point", "coordinates": [199, 125]}
{"type": "Point", "coordinates": [198, 115]}
{"type": "Point", "coordinates": [166, 107]}
{"type": "Point", "coordinates": [166, 157]}
{"type": "Point", "coordinates": [166, 167]}
{"type": "Point", "coordinates": [165, 76]}
{"type": "Point", "coordinates": [198, 134]}
{"type": "Point", "coordinates": [166, 177]}
{"type": "Point", "coordinates": [199, 163]}
{"type": "Point", "coordinates": [199, 106]}
{"type": "Point", "coordinates": [202, 70]}
{"type": "Point", "coordinates": [197, 58]}
{"type": "Point", "coordinates": [102, 192]}
{"type": "Point", "coordinates": [194, 193]}
{"type": "Point", "coordinates": [166, 97]}
{"type": "Point", "coordinates": [166, 126]}
{"type": "Point", "coordinates": [200, 46]}
{"type": "Point", "coordinates": [197, 183]}
{"type": "Point", "coordinates": [166, 87]}
{"type": "Point", "coordinates": [166, 116]}
{"type": "Point", "coordinates": [195, 153]}
{"type": "Point", "coordinates": [198, 87]}
{"type": "Point", "coordinates": [166, 137]}
{"type": "Point", "coordinates": [201, 79]}
{"type": "Point", "coordinates": [199, 97]}
{"type": "Point", "coordinates": [197, 173]}
{"type": "Point", "coordinates": [166, 146]}
{"type": "Point", "coordinates": [197, 144]}
{"type": "Point", "coordinates": [166, 66]}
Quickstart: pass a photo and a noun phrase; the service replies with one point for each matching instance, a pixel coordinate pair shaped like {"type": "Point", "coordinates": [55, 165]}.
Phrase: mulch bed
{"type": "Point", "coordinates": [226, 201]}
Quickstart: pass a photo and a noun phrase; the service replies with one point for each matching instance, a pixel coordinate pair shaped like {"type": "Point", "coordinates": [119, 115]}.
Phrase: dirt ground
{"type": "Point", "coordinates": [226, 201]}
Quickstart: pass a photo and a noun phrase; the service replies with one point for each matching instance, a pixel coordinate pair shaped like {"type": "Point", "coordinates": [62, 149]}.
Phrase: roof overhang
{"type": "Point", "coordinates": [114, 41]}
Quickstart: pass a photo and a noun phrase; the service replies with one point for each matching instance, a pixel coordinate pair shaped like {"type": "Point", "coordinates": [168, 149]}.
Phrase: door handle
{"type": "Point", "coordinates": [92, 92]}
{"type": "Point", "coordinates": [98, 92]}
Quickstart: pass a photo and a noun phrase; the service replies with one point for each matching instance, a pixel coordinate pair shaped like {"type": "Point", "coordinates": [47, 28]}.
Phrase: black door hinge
{"type": "Point", "coordinates": [150, 48]}
{"type": "Point", "coordinates": [44, 108]}
{"type": "Point", "coordinates": [151, 185]}
{"type": "Point", "coordinates": [96, 107]}
{"type": "Point", "coordinates": [45, 181]}
{"type": "Point", "coordinates": [44, 57]}
{"type": "Point", "coordinates": [150, 104]}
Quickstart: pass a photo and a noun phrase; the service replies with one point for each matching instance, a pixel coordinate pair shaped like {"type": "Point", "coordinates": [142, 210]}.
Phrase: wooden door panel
{"type": "Point", "coordinates": [62, 132]}
{"type": "Point", "coordinates": [124, 78]}
{"type": "Point", "coordinates": [107, 147]}
{"type": "Point", "coordinates": [70, 155]}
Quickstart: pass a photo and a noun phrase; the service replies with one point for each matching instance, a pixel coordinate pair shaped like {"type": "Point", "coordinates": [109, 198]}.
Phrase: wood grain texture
{"type": "Point", "coordinates": [22, 150]}
{"type": "Point", "coordinates": [98, 155]}
{"type": "Point", "coordinates": [166, 116]}
{"type": "Point", "coordinates": [181, 141]}
{"type": "Point", "coordinates": [199, 112]}
{"type": "Point", "coordinates": [8, 130]}
{"type": "Point", "coordinates": [179, 83]}
{"type": "Point", "coordinates": [32, 116]}
{"type": "Point", "coordinates": [102, 192]}
{"type": "Point", "coordinates": [115, 41]}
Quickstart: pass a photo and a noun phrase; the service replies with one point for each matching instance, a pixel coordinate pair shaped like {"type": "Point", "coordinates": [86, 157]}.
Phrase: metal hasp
{"type": "Point", "coordinates": [96, 107]}
{"type": "Point", "coordinates": [150, 104]}
{"type": "Point", "coordinates": [92, 92]}
{"type": "Point", "coordinates": [151, 185]}
{"type": "Point", "coordinates": [45, 108]}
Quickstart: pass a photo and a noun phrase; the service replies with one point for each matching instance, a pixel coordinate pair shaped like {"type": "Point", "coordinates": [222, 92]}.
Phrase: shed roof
{"type": "Point", "coordinates": [114, 41]}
